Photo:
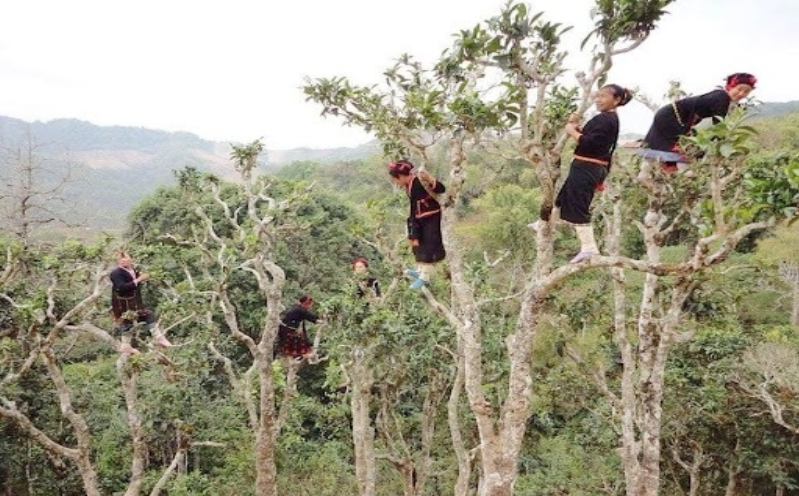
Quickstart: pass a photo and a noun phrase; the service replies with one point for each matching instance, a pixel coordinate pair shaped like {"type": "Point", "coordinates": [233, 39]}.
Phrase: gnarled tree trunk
{"type": "Point", "coordinates": [363, 432]}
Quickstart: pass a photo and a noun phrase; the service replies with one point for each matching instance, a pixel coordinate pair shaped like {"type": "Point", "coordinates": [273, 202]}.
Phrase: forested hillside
{"type": "Point", "coordinates": [111, 168]}
{"type": "Point", "coordinates": [667, 364]}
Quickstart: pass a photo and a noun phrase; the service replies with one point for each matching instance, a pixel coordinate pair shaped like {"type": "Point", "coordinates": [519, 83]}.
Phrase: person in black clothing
{"type": "Point", "coordinates": [596, 142]}
{"type": "Point", "coordinates": [127, 305]}
{"type": "Point", "coordinates": [679, 118]}
{"type": "Point", "coordinates": [366, 286]}
{"type": "Point", "coordinates": [292, 338]}
{"type": "Point", "coordinates": [424, 220]}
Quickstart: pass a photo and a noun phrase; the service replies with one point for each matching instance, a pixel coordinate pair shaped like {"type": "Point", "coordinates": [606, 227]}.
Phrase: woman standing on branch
{"type": "Point", "coordinates": [679, 118]}
{"type": "Point", "coordinates": [292, 337]}
{"type": "Point", "coordinates": [424, 221]}
{"type": "Point", "coordinates": [596, 142]}
{"type": "Point", "coordinates": [127, 305]}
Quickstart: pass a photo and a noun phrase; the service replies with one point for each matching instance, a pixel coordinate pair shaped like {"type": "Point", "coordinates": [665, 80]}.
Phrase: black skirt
{"type": "Point", "coordinates": [577, 193]}
{"type": "Point", "coordinates": [431, 245]}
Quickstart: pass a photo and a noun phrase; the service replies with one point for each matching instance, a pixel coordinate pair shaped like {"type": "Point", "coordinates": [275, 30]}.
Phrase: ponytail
{"type": "Point", "coordinates": [623, 94]}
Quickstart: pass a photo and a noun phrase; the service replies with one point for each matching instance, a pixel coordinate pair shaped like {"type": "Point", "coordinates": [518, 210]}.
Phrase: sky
{"type": "Point", "coordinates": [232, 71]}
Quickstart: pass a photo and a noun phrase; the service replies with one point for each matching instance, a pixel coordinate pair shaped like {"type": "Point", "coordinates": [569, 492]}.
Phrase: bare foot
{"type": "Point", "coordinates": [163, 341]}
{"type": "Point", "coordinates": [127, 349]}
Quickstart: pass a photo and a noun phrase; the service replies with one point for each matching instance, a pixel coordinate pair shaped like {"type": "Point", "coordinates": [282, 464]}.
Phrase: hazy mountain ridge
{"type": "Point", "coordinates": [87, 141]}
{"type": "Point", "coordinates": [116, 166]}
{"type": "Point", "coordinates": [773, 109]}
{"type": "Point", "coordinates": [281, 157]}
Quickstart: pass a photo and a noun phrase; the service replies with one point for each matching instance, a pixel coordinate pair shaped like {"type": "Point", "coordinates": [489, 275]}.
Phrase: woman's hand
{"type": "Point", "coordinates": [572, 130]}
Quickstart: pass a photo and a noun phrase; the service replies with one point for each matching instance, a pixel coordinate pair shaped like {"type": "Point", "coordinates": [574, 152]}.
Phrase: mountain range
{"type": "Point", "coordinates": [115, 166]}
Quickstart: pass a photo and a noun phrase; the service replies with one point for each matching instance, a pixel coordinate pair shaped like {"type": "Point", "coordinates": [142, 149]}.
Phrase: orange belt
{"type": "Point", "coordinates": [592, 160]}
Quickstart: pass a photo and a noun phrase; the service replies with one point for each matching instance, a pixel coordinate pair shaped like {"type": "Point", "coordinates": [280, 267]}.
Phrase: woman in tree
{"type": "Point", "coordinates": [679, 118]}
{"type": "Point", "coordinates": [127, 305]}
{"type": "Point", "coordinates": [424, 221]}
{"type": "Point", "coordinates": [292, 338]}
{"type": "Point", "coordinates": [366, 286]}
{"type": "Point", "coordinates": [596, 142]}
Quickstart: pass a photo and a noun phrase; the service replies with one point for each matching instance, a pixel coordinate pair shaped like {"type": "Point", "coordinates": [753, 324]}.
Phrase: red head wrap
{"type": "Point", "coordinates": [400, 168]}
{"type": "Point", "coordinates": [362, 260]}
{"type": "Point", "coordinates": [734, 80]}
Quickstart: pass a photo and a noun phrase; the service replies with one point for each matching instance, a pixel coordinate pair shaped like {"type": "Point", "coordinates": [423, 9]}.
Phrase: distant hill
{"type": "Point", "coordinates": [773, 109]}
{"type": "Point", "coordinates": [117, 166]}
{"type": "Point", "coordinates": [282, 157]}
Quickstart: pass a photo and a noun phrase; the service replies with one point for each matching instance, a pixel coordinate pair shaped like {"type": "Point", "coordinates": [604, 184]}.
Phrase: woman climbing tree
{"type": "Point", "coordinates": [424, 221]}
{"type": "Point", "coordinates": [292, 336]}
{"type": "Point", "coordinates": [678, 119]}
{"type": "Point", "coordinates": [596, 142]}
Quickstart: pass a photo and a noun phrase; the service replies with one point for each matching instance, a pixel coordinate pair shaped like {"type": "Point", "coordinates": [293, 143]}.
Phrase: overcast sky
{"type": "Point", "coordinates": [232, 70]}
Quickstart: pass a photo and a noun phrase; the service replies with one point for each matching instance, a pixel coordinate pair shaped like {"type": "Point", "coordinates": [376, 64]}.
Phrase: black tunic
{"type": "Point", "coordinates": [424, 222]}
{"type": "Point", "coordinates": [597, 142]}
{"type": "Point", "coordinates": [677, 119]}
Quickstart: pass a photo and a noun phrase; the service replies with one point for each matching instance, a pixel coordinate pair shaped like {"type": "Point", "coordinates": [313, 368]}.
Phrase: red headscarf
{"type": "Point", "coordinates": [734, 80]}
{"type": "Point", "coordinates": [400, 168]}
{"type": "Point", "coordinates": [362, 260]}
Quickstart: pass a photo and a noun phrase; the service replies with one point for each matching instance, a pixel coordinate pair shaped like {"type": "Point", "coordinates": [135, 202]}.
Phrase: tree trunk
{"type": "Point", "coordinates": [79, 427]}
{"type": "Point", "coordinates": [435, 393]}
{"type": "Point", "coordinates": [500, 440]}
{"type": "Point", "coordinates": [265, 433]}
{"type": "Point", "coordinates": [623, 405]}
{"type": "Point", "coordinates": [128, 382]}
{"type": "Point", "coordinates": [363, 433]}
{"type": "Point", "coordinates": [453, 417]}
{"type": "Point", "coordinates": [795, 309]}
{"type": "Point", "coordinates": [647, 399]}
{"type": "Point", "coordinates": [732, 477]}
{"type": "Point", "coordinates": [642, 403]}
{"type": "Point", "coordinates": [789, 272]}
{"type": "Point", "coordinates": [694, 468]}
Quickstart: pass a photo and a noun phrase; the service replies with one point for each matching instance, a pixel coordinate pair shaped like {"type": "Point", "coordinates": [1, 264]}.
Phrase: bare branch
{"type": "Point", "coordinates": [597, 375]}
{"type": "Point", "coordinates": [9, 410]}
{"type": "Point", "coordinates": [441, 308]}
{"type": "Point", "coordinates": [241, 388]}
{"type": "Point", "coordinates": [177, 461]}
